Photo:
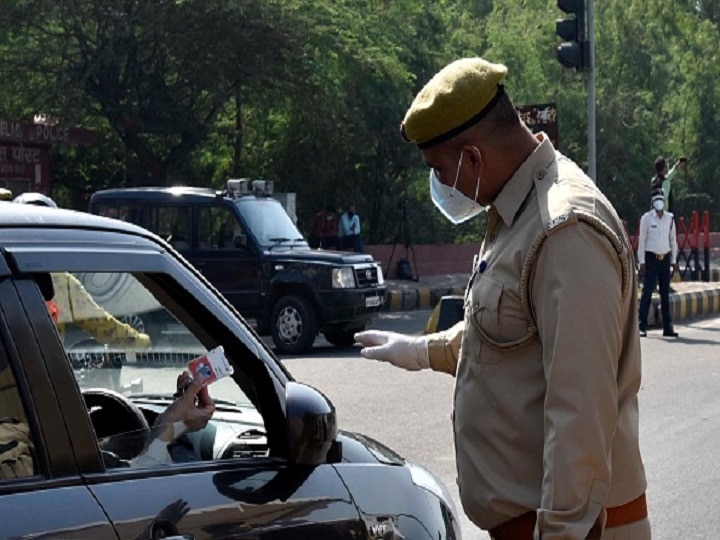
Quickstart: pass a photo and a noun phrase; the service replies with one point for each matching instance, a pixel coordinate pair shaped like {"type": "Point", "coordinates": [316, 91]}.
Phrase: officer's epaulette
{"type": "Point", "coordinates": [562, 193]}
{"type": "Point", "coordinates": [565, 197]}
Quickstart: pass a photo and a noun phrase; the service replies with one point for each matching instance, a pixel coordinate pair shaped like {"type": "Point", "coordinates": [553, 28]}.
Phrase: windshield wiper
{"type": "Point", "coordinates": [278, 241]}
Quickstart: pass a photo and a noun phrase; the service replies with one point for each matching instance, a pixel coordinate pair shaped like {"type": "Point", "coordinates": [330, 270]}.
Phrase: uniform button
{"type": "Point", "coordinates": [539, 174]}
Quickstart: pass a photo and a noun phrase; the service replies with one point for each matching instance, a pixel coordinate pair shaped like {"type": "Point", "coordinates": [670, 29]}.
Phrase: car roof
{"type": "Point", "coordinates": [157, 193]}
{"type": "Point", "coordinates": [13, 215]}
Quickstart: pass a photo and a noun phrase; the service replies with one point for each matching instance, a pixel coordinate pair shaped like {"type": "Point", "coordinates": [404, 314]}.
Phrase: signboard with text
{"type": "Point", "coordinates": [25, 153]}
{"type": "Point", "coordinates": [541, 117]}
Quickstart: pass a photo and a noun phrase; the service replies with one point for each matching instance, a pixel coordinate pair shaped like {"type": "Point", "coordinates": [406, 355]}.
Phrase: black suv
{"type": "Point", "coordinates": [247, 246]}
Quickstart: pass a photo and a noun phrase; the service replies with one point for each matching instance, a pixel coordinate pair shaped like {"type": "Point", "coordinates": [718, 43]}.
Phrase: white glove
{"type": "Point", "coordinates": [407, 352]}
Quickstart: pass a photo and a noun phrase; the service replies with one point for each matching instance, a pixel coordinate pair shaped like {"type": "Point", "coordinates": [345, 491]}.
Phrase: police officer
{"type": "Point", "coordinates": [657, 254]}
{"type": "Point", "coordinates": [547, 359]}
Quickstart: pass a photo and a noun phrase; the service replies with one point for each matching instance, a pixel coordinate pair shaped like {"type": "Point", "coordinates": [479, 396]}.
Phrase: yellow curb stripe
{"type": "Point", "coordinates": [395, 301]}
{"type": "Point", "coordinates": [424, 298]}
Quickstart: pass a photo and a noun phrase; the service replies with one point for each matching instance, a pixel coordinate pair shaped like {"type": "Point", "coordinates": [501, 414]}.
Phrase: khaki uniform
{"type": "Point", "coordinates": [546, 409]}
{"type": "Point", "coordinates": [75, 305]}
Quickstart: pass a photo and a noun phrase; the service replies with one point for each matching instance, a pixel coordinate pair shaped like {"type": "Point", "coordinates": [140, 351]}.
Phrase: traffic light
{"type": "Point", "coordinates": [572, 52]}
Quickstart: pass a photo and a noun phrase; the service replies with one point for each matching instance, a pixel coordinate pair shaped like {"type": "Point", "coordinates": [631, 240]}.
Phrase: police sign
{"type": "Point", "coordinates": [541, 117]}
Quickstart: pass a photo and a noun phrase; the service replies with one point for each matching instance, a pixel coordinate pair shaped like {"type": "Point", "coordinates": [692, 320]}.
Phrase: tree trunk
{"type": "Point", "coordinates": [237, 143]}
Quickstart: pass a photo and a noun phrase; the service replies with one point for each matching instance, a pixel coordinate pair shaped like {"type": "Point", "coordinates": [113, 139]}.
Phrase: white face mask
{"type": "Point", "coordinates": [454, 204]}
{"type": "Point", "coordinates": [659, 205]}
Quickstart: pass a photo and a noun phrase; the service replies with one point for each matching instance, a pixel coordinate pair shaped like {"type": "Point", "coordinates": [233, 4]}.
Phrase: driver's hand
{"type": "Point", "coordinates": [407, 352]}
{"type": "Point", "coordinates": [193, 408]}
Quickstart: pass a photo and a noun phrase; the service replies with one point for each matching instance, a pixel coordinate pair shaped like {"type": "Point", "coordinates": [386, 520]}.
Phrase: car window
{"type": "Point", "coordinates": [172, 223]}
{"type": "Point", "coordinates": [269, 222]}
{"type": "Point", "coordinates": [218, 229]}
{"type": "Point", "coordinates": [127, 350]}
{"type": "Point", "coordinates": [16, 444]}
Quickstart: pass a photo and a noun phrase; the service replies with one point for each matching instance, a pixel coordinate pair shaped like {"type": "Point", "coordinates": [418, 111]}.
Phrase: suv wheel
{"type": "Point", "coordinates": [293, 325]}
{"type": "Point", "coordinates": [342, 338]}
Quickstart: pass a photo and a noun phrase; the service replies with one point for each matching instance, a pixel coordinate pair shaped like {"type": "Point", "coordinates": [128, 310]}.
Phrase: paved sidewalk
{"type": "Point", "coordinates": [688, 300]}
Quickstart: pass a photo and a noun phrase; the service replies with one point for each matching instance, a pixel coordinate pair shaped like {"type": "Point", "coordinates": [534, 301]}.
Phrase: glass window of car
{"type": "Point", "coordinates": [172, 223]}
{"type": "Point", "coordinates": [129, 373]}
{"type": "Point", "coordinates": [16, 443]}
{"type": "Point", "coordinates": [269, 222]}
{"type": "Point", "coordinates": [218, 229]}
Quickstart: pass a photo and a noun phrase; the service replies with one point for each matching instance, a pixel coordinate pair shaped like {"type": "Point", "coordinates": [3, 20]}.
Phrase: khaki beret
{"type": "Point", "coordinates": [457, 97]}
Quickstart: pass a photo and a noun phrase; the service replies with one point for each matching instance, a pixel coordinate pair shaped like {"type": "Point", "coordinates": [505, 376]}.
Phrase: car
{"type": "Point", "coordinates": [245, 243]}
{"type": "Point", "coordinates": [77, 411]}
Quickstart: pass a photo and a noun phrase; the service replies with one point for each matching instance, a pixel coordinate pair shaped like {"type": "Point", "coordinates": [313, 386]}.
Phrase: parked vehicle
{"type": "Point", "coordinates": [246, 245]}
{"type": "Point", "coordinates": [271, 463]}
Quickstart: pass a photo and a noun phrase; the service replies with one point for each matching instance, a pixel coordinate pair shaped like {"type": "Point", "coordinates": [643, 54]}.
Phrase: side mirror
{"type": "Point", "coordinates": [311, 426]}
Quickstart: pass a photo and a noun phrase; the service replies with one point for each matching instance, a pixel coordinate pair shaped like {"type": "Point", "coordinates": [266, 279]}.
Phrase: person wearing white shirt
{"type": "Point", "coordinates": [350, 230]}
{"type": "Point", "coordinates": [657, 256]}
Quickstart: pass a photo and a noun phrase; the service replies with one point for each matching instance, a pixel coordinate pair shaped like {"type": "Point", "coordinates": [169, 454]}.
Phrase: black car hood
{"type": "Point", "coordinates": [318, 256]}
{"type": "Point", "coordinates": [358, 448]}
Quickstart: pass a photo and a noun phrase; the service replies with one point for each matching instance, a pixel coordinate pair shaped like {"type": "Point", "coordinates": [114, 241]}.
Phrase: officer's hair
{"type": "Point", "coordinates": [660, 164]}
{"type": "Point", "coordinates": [500, 123]}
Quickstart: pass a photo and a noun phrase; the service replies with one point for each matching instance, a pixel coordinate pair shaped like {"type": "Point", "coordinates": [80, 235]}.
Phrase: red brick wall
{"type": "Point", "coordinates": [431, 259]}
{"type": "Point", "coordinates": [438, 259]}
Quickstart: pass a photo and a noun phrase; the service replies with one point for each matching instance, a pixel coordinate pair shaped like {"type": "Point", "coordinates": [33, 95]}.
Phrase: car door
{"type": "Point", "coordinates": [227, 257]}
{"type": "Point", "coordinates": [230, 479]}
{"type": "Point", "coordinates": [45, 495]}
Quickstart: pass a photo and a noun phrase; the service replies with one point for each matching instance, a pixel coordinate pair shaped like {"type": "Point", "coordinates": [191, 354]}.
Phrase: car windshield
{"type": "Point", "coordinates": [269, 223]}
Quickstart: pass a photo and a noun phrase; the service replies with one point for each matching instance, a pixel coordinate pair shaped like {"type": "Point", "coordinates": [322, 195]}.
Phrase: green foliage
{"type": "Point", "coordinates": [310, 94]}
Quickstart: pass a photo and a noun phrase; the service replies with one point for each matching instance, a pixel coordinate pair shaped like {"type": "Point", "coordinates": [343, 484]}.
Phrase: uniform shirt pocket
{"type": "Point", "coordinates": [498, 318]}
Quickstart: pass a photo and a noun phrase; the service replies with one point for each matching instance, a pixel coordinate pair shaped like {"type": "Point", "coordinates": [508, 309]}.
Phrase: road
{"type": "Point", "coordinates": [679, 422]}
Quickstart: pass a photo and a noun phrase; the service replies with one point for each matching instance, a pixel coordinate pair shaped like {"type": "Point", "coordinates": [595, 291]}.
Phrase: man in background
{"type": "Point", "coordinates": [350, 229]}
{"type": "Point", "coordinates": [324, 229]}
{"type": "Point", "coordinates": [657, 255]}
{"type": "Point", "coordinates": [663, 179]}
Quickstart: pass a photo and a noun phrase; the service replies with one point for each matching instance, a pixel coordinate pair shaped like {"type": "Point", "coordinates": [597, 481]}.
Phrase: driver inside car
{"type": "Point", "coordinates": [191, 411]}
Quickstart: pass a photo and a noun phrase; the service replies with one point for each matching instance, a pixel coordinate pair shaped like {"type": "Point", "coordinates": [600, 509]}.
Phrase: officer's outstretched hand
{"type": "Point", "coordinates": [407, 352]}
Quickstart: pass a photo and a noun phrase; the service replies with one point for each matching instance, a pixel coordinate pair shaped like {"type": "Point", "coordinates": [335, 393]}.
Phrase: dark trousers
{"type": "Point", "coordinates": [656, 271]}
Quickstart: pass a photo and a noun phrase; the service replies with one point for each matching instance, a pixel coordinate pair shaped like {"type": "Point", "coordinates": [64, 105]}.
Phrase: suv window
{"type": "Point", "coordinates": [268, 221]}
{"type": "Point", "coordinates": [128, 377]}
{"type": "Point", "coordinates": [16, 445]}
{"type": "Point", "coordinates": [171, 223]}
{"type": "Point", "coordinates": [218, 228]}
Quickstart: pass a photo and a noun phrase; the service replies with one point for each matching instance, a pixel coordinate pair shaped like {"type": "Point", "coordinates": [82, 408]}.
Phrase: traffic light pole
{"type": "Point", "coordinates": [592, 157]}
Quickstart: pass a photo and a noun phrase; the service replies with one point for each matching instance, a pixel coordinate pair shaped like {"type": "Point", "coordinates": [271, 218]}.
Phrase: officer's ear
{"type": "Point", "coordinates": [476, 159]}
